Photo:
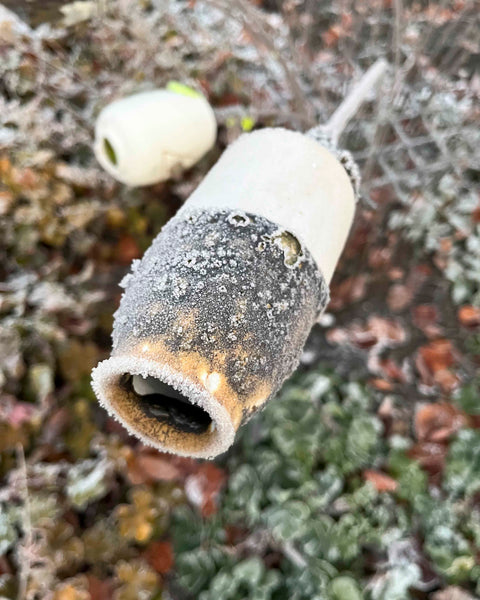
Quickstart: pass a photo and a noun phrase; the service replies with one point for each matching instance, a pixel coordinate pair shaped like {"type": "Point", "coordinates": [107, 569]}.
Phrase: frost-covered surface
{"type": "Point", "coordinates": [361, 479]}
{"type": "Point", "coordinates": [223, 299]}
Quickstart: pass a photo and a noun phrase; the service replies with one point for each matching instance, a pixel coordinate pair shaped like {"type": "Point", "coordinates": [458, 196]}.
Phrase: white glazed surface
{"type": "Point", "coordinates": [289, 179]}
{"type": "Point", "coordinates": [154, 133]}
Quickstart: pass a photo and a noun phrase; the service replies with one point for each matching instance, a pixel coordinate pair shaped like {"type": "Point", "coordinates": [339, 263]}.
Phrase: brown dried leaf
{"type": "Point", "coordinates": [392, 370]}
{"type": "Point", "coordinates": [159, 555]}
{"type": "Point", "coordinates": [438, 355]}
{"type": "Point", "coordinates": [437, 422]}
{"type": "Point", "coordinates": [149, 466]}
{"type": "Point", "coordinates": [127, 250]}
{"type": "Point", "coordinates": [469, 316]}
{"type": "Point", "coordinates": [430, 455]}
{"type": "Point", "coordinates": [99, 590]}
{"type": "Point", "coordinates": [350, 290]}
{"type": "Point", "coordinates": [202, 488]}
{"type": "Point", "coordinates": [381, 481]}
{"type": "Point", "coordinates": [381, 384]}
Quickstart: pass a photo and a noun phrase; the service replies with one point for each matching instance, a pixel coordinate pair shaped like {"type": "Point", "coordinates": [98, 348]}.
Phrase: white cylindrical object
{"type": "Point", "coordinates": [289, 179]}
{"type": "Point", "coordinates": [144, 138]}
{"type": "Point", "coordinates": [215, 315]}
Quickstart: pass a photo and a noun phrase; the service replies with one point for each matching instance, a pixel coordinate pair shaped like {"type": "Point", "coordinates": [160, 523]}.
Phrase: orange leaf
{"type": "Point", "coordinates": [437, 355]}
{"type": "Point", "coordinates": [469, 316]}
{"type": "Point", "coordinates": [392, 370]}
{"type": "Point", "coordinates": [148, 466]}
{"type": "Point", "coordinates": [447, 380]}
{"type": "Point", "coordinates": [99, 590]}
{"type": "Point", "coordinates": [437, 422]}
{"type": "Point", "coordinates": [331, 37]}
{"type": "Point", "coordinates": [381, 384]}
{"type": "Point", "coordinates": [381, 481]}
{"type": "Point", "coordinates": [350, 290]}
{"type": "Point", "coordinates": [157, 467]}
{"type": "Point", "coordinates": [160, 556]}
{"type": "Point", "coordinates": [202, 488]}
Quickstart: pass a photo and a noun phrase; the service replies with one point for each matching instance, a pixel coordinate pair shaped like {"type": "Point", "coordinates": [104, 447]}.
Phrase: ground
{"type": "Point", "coordinates": [362, 478]}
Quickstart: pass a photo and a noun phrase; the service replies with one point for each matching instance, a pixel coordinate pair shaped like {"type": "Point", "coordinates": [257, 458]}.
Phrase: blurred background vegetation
{"type": "Point", "coordinates": [362, 479]}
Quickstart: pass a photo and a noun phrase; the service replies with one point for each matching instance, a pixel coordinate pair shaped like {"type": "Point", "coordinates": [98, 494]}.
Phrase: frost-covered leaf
{"type": "Point", "coordinates": [8, 530]}
{"type": "Point", "coordinates": [87, 482]}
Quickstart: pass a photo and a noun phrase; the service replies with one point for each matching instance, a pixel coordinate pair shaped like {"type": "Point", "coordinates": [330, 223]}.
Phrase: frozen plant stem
{"type": "Point", "coordinates": [24, 565]}
{"type": "Point", "coordinates": [349, 107]}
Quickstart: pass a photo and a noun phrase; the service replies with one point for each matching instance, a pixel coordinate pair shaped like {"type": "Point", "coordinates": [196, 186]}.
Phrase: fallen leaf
{"type": "Point", "coordinates": [350, 290]}
{"type": "Point", "coordinates": [438, 355]}
{"type": "Point", "coordinates": [387, 331]}
{"type": "Point", "coordinates": [469, 316]}
{"type": "Point", "coordinates": [376, 331]}
{"type": "Point", "coordinates": [447, 380]}
{"type": "Point", "coordinates": [386, 410]}
{"type": "Point", "coordinates": [149, 466]}
{"type": "Point", "coordinates": [381, 384]}
{"type": "Point", "coordinates": [392, 370]}
{"type": "Point", "coordinates": [235, 534]}
{"type": "Point", "coordinates": [332, 35]}
{"type": "Point", "coordinates": [437, 422]}
{"type": "Point", "coordinates": [4, 566]}
{"type": "Point", "coordinates": [159, 555]}
{"type": "Point", "coordinates": [379, 257]}
{"type": "Point", "coordinates": [430, 455]}
{"type": "Point", "coordinates": [21, 412]}
{"type": "Point", "coordinates": [202, 488]}
{"type": "Point", "coordinates": [127, 250]}
{"type": "Point", "coordinates": [381, 481]}
{"type": "Point", "coordinates": [98, 589]}
{"type": "Point", "coordinates": [363, 339]}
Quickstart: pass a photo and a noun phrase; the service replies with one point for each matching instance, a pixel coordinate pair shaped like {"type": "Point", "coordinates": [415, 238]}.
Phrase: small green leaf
{"type": "Point", "coordinates": [247, 123]}
{"type": "Point", "coordinates": [345, 588]}
{"type": "Point", "coordinates": [109, 151]}
{"type": "Point", "coordinates": [184, 90]}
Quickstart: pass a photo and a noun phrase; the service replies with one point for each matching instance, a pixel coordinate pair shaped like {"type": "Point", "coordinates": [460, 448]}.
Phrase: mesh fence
{"type": "Point", "coordinates": [422, 125]}
{"type": "Point", "coordinates": [424, 122]}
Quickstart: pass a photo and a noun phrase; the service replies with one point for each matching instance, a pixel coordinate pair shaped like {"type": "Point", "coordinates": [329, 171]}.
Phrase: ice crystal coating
{"type": "Point", "coordinates": [241, 293]}
{"type": "Point", "coordinates": [222, 302]}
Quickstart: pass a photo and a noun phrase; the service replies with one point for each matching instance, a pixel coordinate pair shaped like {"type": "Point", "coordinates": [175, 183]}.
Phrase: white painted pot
{"type": "Point", "coordinates": [215, 316]}
{"type": "Point", "coordinates": [290, 179]}
{"type": "Point", "coordinates": [145, 138]}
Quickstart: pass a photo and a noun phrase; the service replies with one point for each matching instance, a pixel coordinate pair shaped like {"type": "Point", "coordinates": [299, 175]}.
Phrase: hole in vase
{"type": "Point", "coordinates": [109, 152]}
{"type": "Point", "coordinates": [162, 402]}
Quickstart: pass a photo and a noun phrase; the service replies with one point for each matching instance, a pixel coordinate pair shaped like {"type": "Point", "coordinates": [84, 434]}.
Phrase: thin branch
{"type": "Point", "coordinates": [24, 566]}
{"type": "Point", "coordinates": [254, 22]}
{"type": "Point", "coordinates": [349, 107]}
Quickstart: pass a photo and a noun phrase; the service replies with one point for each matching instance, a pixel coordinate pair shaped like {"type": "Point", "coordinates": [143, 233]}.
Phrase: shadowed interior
{"type": "Point", "coordinates": [168, 405]}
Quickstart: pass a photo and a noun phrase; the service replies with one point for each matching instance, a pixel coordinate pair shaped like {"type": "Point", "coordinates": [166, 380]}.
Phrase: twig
{"type": "Point", "coordinates": [293, 555]}
{"type": "Point", "coordinates": [254, 23]}
{"type": "Point", "coordinates": [349, 107]}
{"type": "Point", "coordinates": [24, 566]}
